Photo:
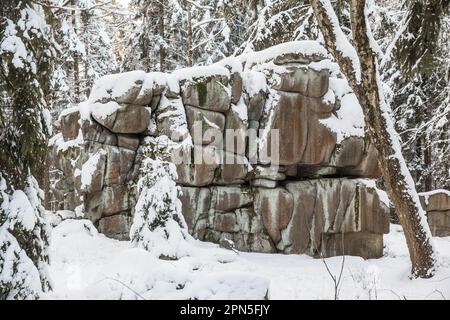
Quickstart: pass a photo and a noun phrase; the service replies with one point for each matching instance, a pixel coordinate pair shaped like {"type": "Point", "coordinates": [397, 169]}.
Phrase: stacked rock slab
{"type": "Point", "coordinates": [316, 197]}
{"type": "Point", "coordinates": [437, 206]}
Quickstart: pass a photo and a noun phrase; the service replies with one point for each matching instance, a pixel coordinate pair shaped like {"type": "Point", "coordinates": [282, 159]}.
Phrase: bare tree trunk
{"type": "Point", "coordinates": [364, 83]}
{"type": "Point", "coordinates": [427, 157]}
{"type": "Point", "coordinates": [189, 35]}
{"type": "Point", "coordinates": [162, 50]}
{"type": "Point", "coordinates": [76, 67]}
{"type": "Point", "coordinates": [84, 17]}
{"type": "Point", "coordinates": [419, 149]}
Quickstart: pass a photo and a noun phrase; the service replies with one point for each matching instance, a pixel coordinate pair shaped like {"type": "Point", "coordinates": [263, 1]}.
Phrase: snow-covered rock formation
{"type": "Point", "coordinates": [437, 205]}
{"type": "Point", "coordinates": [286, 166]}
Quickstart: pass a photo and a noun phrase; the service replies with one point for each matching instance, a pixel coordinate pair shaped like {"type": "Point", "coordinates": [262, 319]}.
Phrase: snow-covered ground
{"type": "Point", "coordinates": [87, 265]}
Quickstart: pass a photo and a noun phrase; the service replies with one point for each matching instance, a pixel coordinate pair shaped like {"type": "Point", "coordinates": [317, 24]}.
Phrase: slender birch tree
{"type": "Point", "coordinates": [358, 62]}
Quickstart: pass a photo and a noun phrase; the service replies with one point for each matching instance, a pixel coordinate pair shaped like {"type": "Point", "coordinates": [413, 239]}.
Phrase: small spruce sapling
{"type": "Point", "coordinates": [158, 225]}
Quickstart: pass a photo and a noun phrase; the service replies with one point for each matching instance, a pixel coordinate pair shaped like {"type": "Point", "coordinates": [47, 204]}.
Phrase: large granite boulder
{"type": "Point", "coordinates": [209, 92]}
{"type": "Point", "coordinates": [70, 123]}
{"type": "Point", "coordinates": [206, 127]}
{"type": "Point", "coordinates": [229, 198]}
{"type": "Point", "coordinates": [116, 226]}
{"type": "Point", "coordinates": [201, 170]}
{"type": "Point", "coordinates": [195, 203]}
{"type": "Point", "coordinates": [306, 200]}
{"type": "Point", "coordinates": [333, 206]}
{"type": "Point", "coordinates": [123, 119]}
{"type": "Point", "coordinates": [305, 139]}
{"type": "Point", "coordinates": [276, 207]}
{"type": "Point", "coordinates": [304, 80]}
{"type": "Point", "coordinates": [134, 87]}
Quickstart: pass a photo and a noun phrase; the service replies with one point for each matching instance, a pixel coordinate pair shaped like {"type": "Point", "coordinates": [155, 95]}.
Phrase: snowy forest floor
{"type": "Point", "coordinates": [87, 265]}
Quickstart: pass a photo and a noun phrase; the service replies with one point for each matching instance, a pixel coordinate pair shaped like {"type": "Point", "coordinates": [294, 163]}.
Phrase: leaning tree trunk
{"type": "Point", "coordinates": [359, 65]}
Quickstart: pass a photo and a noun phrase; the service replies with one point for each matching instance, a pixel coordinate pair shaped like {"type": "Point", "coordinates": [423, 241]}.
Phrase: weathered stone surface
{"type": "Point", "coordinates": [200, 172]}
{"type": "Point", "coordinates": [203, 121]}
{"type": "Point", "coordinates": [436, 203]}
{"type": "Point", "coordinates": [276, 207]}
{"type": "Point", "coordinates": [305, 139]}
{"type": "Point", "coordinates": [67, 162]}
{"type": "Point", "coordinates": [363, 244]}
{"type": "Point", "coordinates": [291, 171]}
{"type": "Point", "coordinates": [368, 167]}
{"type": "Point", "coordinates": [70, 200]}
{"type": "Point", "coordinates": [230, 194]}
{"type": "Point", "coordinates": [232, 170]}
{"type": "Point", "coordinates": [94, 132]}
{"type": "Point", "coordinates": [236, 132]}
{"type": "Point", "coordinates": [348, 153]}
{"type": "Point", "coordinates": [119, 163]}
{"type": "Point", "coordinates": [373, 213]}
{"type": "Point", "coordinates": [129, 96]}
{"type": "Point", "coordinates": [236, 87]}
{"type": "Point", "coordinates": [93, 205]}
{"type": "Point", "coordinates": [331, 206]}
{"type": "Point", "coordinates": [70, 125]}
{"type": "Point", "coordinates": [171, 119]}
{"type": "Point", "coordinates": [144, 98]}
{"type": "Point", "coordinates": [128, 141]}
{"type": "Point", "coordinates": [134, 87]}
{"type": "Point", "coordinates": [116, 226]}
{"type": "Point", "coordinates": [126, 119]}
{"type": "Point", "coordinates": [249, 221]}
{"type": "Point", "coordinates": [208, 93]}
{"type": "Point", "coordinates": [297, 57]}
{"type": "Point", "coordinates": [270, 173]}
{"type": "Point", "coordinates": [115, 200]}
{"type": "Point", "coordinates": [304, 80]}
{"type": "Point", "coordinates": [265, 183]}
{"type": "Point", "coordinates": [195, 204]}
{"type": "Point", "coordinates": [63, 186]}
{"type": "Point", "coordinates": [112, 172]}
{"type": "Point", "coordinates": [226, 222]}
{"type": "Point", "coordinates": [439, 222]}
{"type": "Point", "coordinates": [437, 200]}
{"type": "Point", "coordinates": [98, 175]}
{"type": "Point", "coordinates": [250, 242]}
{"type": "Point", "coordinates": [228, 198]}
{"type": "Point", "coordinates": [256, 105]}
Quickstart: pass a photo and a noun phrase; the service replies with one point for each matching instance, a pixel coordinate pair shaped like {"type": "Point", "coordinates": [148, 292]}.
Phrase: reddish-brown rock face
{"type": "Point", "coordinates": [205, 120]}
{"type": "Point", "coordinates": [119, 121]}
{"type": "Point", "coordinates": [209, 93]}
{"type": "Point", "coordinates": [70, 125]}
{"type": "Point", "coordinates": [232, 192]}
{"type": "Point", "coordinates": [304, 80]}
{"type": "Point", "coordinates": [116, 226]}
{"type": "Point", "coordinates": [276, 207]}
{"type": "Point", "coordinates": [332, 206]}
{"type": "Point", "coordinates": [303, 139]}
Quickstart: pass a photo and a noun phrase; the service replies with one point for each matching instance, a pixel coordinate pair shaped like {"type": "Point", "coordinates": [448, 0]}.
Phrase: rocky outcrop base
{"type": "Point", "coordinates": [321, 217]}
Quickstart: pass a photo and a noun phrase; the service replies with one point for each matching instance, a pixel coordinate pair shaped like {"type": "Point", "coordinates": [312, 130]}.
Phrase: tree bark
{"type": "Point", "coordinates": [397, 178]}
{"type": "Point", "coordinates": [76, 67]}
{"type": "Point", "coordinates": [162, 50]}
{"type": "Point", "coordinates": [189, 35]}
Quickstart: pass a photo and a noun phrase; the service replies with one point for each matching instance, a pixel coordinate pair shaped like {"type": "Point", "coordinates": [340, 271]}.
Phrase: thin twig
{"type": "Point", "coordinates": [126, 286]}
